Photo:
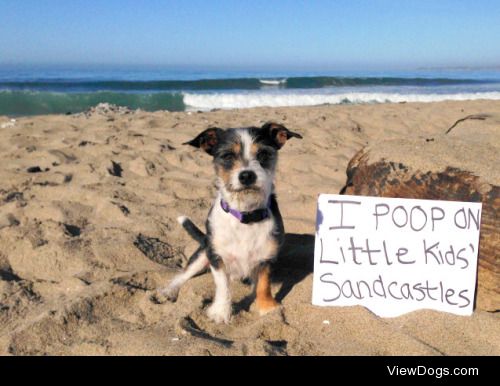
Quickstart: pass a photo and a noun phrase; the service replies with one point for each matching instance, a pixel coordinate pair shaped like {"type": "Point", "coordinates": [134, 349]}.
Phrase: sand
{"type": "Point", "coordinates": [74, 282]}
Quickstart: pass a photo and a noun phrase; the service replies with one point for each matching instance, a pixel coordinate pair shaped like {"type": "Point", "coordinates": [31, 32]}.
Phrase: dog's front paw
{"type": "Point", "coordinates": [220, 312]}
{"type": "Point", "coordinates": [267, 305]}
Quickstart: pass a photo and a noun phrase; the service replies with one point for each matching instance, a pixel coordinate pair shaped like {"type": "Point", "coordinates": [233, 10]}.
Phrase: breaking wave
{"type": "Point", "coordinates": [306, 82]}
{"type": "Point", "coordinates": [246, 100]}
{"type": "Point", "coordinates": [18, 103]}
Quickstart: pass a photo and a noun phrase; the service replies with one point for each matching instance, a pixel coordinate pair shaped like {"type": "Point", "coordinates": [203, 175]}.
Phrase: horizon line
{"type": "Point", "coordinates": [259, 67]}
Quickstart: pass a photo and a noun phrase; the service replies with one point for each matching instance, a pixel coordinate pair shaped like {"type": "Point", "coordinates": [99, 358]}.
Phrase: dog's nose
{"type": "Point", "coordinates": [247, 177]}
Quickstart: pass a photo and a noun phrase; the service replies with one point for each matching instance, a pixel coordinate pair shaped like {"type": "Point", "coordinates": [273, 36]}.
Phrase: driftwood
{"type": "Point", "coordinates": [478, 117]}
{"type": "Point", "coordinates": [379, 175]}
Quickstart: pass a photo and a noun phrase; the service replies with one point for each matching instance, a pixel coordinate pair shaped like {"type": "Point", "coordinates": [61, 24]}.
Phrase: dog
{"type": "Point", "coordinates": [244, 228]}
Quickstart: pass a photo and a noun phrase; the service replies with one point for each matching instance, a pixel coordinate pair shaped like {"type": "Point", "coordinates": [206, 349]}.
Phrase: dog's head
{"type": "Point", "coordinates": [245, 160]}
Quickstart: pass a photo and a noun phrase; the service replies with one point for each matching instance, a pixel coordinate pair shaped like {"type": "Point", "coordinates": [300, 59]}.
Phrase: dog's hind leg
{"type": "Point", "coordinates": [197, 263]}
{"type": "Point", "coordinates": [264, 299]}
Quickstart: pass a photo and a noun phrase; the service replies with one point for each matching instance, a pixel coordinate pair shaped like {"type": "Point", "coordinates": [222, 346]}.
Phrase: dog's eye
{"type": "Point", "coordinates": [228, 156]}
{"type": "Point", "coordinates": [263, 156]}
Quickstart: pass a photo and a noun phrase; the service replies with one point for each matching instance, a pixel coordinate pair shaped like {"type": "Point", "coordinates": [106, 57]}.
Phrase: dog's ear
{"type": "Point", "coordinates": [278, 134]}
{"type": "Point", "coordinates": [207, 140]}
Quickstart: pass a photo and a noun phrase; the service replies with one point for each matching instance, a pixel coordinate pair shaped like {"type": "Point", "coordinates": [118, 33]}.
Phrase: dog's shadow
{"type": "Point", "coordinates": [295, 262]}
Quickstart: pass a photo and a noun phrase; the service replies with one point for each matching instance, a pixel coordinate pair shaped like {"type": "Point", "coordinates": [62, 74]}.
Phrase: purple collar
{"type": "Point", "coordinates": [247, 217]}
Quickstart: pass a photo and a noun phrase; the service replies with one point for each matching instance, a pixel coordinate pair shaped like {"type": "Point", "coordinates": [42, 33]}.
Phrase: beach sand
{"type": "Point", "coordinates": [73, 278]}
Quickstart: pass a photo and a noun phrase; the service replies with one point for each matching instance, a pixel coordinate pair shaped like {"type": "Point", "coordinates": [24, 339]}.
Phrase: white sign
{"type": "Point", "coordinates": [396, 255]}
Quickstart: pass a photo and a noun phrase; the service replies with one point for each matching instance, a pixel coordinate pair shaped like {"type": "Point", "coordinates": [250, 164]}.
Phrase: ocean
{"type": "Point", "coordinates": [30, 90]}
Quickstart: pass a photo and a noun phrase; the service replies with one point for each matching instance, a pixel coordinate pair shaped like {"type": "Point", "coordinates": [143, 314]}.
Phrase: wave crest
{"type": "Point", "coordinates": [65, 85]}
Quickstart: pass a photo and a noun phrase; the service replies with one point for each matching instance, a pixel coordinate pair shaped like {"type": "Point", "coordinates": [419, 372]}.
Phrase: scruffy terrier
{"type": "Point", "coordinates": [244, 226]}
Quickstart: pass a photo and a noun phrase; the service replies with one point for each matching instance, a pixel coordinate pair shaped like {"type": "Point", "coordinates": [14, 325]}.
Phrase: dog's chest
{"type": "Point", "coordinates": [241, 246]}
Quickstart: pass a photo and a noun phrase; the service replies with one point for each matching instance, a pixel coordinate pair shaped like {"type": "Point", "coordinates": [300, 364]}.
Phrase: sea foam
{"type": "Point", "coordinates": [194, 101]}
{"type": "Point", "coordinates": [272, 82]}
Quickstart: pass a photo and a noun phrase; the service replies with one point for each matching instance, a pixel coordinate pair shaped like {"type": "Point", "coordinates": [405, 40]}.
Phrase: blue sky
{"type": "Point", "coordinates": [267, 33]}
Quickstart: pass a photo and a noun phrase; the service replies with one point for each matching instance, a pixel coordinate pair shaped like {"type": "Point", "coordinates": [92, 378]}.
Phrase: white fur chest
{"type": "Point", "coordinates": [242, 247]}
